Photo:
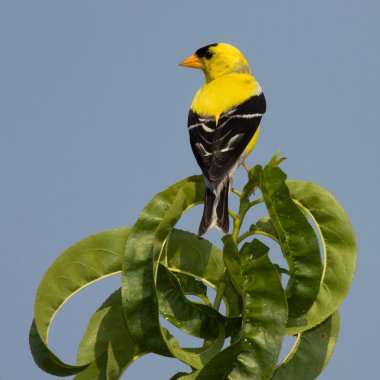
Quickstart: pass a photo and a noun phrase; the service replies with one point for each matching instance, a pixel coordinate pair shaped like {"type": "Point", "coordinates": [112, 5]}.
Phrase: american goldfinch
{"type": "Point", "coordinates": [223, 123]}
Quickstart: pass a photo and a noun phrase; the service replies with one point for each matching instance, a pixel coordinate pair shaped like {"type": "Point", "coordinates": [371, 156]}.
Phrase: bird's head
{"type": "Point", "coordinates": [216, 60]}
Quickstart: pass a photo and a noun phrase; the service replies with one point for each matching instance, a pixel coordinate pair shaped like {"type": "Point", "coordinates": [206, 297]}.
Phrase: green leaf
{"type": "Point", "coordinates": [192, 286]}
{"type": "Point", "coordinates": [107, 344]}
{"type": "Point", "coordinates": [46, 360]}
{"type": "Point", "coordinates": [195, 319]}
{"type": "Point", "coordinates": [264, 226]}
{"type": "Point", "coordinates": [90, 260]}
{"type": "Point", "coordinates": [143, 253]}
{"type": "Point", "coordinates": [233, 262]}
{"type": "Point", "coordinates": [192, 255]}
{"type": "Point", "coordinates": [195, 256]}
{"type": "Point", "coordinates": [275, 160]}
{"type": "Point", "coordinates": [298, 242]}
{"type": "Point", "coordinates": [255, 354]}
{"type": "Point", "coordinates": [185, 376]}
{"type": "Point", "coordinates": [338, 246]}
{"type": "Point", "coordinates": [78, 267]}
{"type": "Point", "coordinates": [252, 184]}
{"type": "Point", "coordinates": [311, 352]}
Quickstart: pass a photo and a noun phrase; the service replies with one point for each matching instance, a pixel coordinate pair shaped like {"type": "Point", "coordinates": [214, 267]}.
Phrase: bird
{"type": "Point", "coordinates": [223, 124]}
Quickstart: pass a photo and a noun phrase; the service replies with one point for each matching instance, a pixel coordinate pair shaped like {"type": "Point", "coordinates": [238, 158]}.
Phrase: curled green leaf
{"type": "Point", "coordinates": [46, 359]}
{"type": "Point", "coordinates": [193, 318]}
{"type": "Point", "coordinates": [311, 352]}
{"type": "Point", "coordinates": [255, 354]}
{"type": "Point", "coordinates": [194, 256]}
{"type": "Point", "coordinates": [298, 242]}
{"type": "Point", "coordinates": [90, 260]}
{"type": "Point", "coordinates": [233, 262]}
{"type": "Point", "coordinates": [192, 286]}
{"type": "Point", "coordinates": [265, 227]}
{"type": "Point", "coordinates": [338, 246]}
{"type": "Point", "coordinates": [144, 251]}
{"type": "Point", "coordinates": [107, 344]}
{"type": "Point", "coordinates": [81, 265]}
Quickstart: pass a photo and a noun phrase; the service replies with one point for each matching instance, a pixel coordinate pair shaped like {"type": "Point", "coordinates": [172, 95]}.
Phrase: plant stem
{"type": "Point", "coordinates": [220, 291]}
{"type": "Point", "coordinates": [221, 284]}
{"type": "Point", "coordinates": [256, 232]}
{"type": "Point", "coordinates": [237, 192]}
{"type": "Point", "coordinates": [237, 225]}
{"type": "Point", "coordinates": [238, 219]}
{"type": "Point", "coordinates": [232, 214]}
{"type": "Point", "coordinates": [256, 202]}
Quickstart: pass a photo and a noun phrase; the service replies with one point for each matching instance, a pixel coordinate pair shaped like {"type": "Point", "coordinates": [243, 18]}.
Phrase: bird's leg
{"type": "Point", "coordinates": [246, 167]}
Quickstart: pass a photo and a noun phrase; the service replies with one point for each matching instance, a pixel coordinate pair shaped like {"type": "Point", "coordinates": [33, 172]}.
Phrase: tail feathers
{"type": "Point", "coordinates": [222, 218]}
{"type": "Point", "coordinates": [208, 211]}
{"type": "Point", "coordinates": [215, 212]}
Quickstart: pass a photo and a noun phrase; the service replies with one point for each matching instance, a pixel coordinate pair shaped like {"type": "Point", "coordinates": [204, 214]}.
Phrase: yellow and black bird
{"type": "Point", "coordinates": [224, 124]}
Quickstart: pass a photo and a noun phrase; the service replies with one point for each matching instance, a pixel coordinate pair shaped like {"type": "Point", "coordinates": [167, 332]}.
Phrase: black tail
{"type": "Point", "coordinates": [215, 215]}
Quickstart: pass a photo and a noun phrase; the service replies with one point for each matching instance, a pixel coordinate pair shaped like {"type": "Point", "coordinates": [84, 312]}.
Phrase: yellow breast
{"type": "Point", "coordinates": [221, 94]}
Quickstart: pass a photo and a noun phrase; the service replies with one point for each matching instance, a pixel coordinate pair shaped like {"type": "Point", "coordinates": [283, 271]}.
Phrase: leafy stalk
{"type": "Point", "coordinates": [161, 265]}
{"type": "Point", "coordinates": [238, 220]}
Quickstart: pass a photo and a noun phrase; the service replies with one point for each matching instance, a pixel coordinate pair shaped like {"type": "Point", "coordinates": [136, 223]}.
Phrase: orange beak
{"type": "Point", "coordinates": [192, 61]}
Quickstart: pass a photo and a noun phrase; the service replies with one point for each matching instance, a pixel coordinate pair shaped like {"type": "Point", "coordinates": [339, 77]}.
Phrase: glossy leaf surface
{"type": "Point", "coordinates": [311, 353]}
{"type": "Point", "coordinates": [338, 246]}
{"type": "Point", "coordinates": [107, 344]}
{"type": "Point", "coordinates": [83, 260]}
{"type": "Point", "coordinates": [144, 251]}
{"type": "Point", "coordinates": [297, 239]}
{"type": "Point", "coordinates": [161, 265]}
{"type": "Point", "coordinates": [189, 254]}
{"type": "Point", "coordinates": [46, 359]}
{"type": "Point", "coordinates": [255, 354]}
{"type": "Point", "coordinates": [90, 260]}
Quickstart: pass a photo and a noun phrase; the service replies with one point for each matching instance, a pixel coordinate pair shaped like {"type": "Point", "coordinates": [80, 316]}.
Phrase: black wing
{"type": "Point", "coordinates": [218, 148]}
{"type": "Point", "coordinates": [202, 130]}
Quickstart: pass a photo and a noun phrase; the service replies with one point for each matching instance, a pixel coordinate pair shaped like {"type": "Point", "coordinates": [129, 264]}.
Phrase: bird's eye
{"type": "Point", "coordinates": [208, 54]}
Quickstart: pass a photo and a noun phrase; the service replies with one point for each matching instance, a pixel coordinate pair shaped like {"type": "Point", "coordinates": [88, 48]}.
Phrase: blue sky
{"type": "Point", "coordinates": [93, 111]}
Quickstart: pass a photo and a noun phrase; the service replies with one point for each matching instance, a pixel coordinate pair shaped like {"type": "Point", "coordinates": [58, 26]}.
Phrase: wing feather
{"type": "Point", "coordinates": [217, 149]}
